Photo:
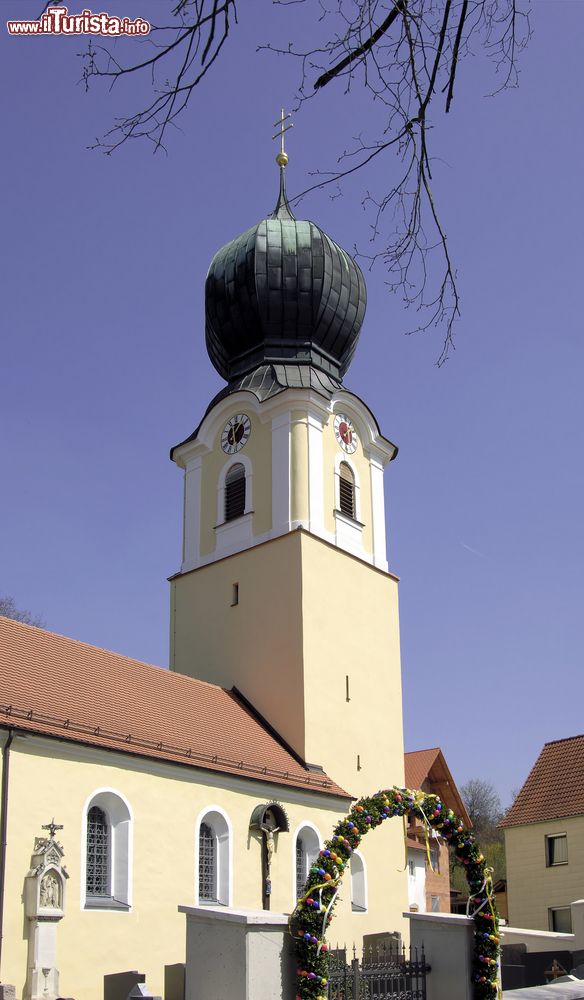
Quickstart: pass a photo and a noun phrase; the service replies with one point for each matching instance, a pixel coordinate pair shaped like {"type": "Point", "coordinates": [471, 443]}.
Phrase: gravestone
{"type": "Point", "coordinates": [117, 985]}
{"type": "Point", "coordinates": [174, 981]}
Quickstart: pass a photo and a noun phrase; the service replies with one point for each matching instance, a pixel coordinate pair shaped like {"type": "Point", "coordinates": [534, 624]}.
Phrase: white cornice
{"type": "Point", "coordinates": [316, 405]}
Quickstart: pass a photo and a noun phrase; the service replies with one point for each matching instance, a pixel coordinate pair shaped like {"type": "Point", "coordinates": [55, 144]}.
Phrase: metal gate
{"type": "Point", "coordinates": [382, 974]}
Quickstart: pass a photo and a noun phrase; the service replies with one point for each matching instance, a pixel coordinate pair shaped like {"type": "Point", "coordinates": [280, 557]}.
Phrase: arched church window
{"type": "Point", "coordinates": [235, 492]}
{"type": "Point", "coordinates": [307, 848]}
{"type": "Point", "coordinates": [346, 490]}
{"type": "Point", "coordinates": [107, 876]}
{"type": "Point", "coordinates": [207, 865]}
{"type": "Point", "coordinates": [358, 884]}
{"type": "Point", "coordinates": [213, 858]}
{"type": "Point", "coordinates": [97, 874]}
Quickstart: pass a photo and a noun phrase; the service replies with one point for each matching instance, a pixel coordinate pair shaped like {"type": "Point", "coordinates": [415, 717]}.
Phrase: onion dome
{"type": "Point", "coordinates": [283, 296]}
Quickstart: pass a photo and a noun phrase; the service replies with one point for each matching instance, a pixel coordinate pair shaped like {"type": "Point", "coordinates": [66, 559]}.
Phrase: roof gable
{"type": "Point", "coordinates": [428, 770]}
{"type": "Point", "coordinates": [554, 788]}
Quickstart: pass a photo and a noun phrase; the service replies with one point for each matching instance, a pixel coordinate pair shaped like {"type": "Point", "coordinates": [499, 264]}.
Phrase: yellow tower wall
{"type": "Point", "coordinates": [255, 645]}
{"type": "Point", "coordinates": [309, 616]}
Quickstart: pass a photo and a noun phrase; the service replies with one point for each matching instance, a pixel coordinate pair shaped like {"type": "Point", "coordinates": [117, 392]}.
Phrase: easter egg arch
{"type": "Point", "coordinates": [314, 910]}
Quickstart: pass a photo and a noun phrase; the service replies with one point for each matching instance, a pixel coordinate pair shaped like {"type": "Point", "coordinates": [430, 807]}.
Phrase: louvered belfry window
{"type": "Point", "coordinates": [207, 865]}
{"type": "Point", "coordinates": [98, 853]}
{"type": "Point", "coordinates": [235, 492]}
{"type": "Point", "coordinates": [346, 490]}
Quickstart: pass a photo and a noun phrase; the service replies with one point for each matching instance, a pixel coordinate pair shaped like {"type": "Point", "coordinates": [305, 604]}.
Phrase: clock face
{"type": "Point", "coordinates": [236, 433]}
{"type": "Point", "coordinates": [345, 433]}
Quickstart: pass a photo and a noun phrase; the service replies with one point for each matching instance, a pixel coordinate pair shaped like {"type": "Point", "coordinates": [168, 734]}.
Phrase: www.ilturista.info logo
{"type": "Point", "coordinates": [58, 21]}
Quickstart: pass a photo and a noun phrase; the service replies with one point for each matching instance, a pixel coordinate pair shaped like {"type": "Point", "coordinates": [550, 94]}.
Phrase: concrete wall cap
{"type": "Point", "coordinates": [262, 918]}
{"type": "Point", "coordinates": [506, 931]}
{"type": "Point", "coordinates": [440, 918]}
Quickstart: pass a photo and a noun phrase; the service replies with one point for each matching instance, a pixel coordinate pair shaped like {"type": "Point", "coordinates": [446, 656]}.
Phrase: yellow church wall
{"type": "Point", "coordinates": [259, 451]}
{"type": "Point", "coordinates": [51, 778]}
{"type": "Point", "coordinates": [256, 645]}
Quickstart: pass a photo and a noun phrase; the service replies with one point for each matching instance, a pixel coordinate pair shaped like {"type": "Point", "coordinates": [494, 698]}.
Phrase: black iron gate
{"type": "Point", "coordinates": [382, 974]}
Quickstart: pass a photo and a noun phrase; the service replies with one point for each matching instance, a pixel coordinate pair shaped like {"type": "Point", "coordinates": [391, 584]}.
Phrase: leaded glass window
{"type": "Point", "coordinates": [301, 866]}
{"type": "Point", "coordinates": [207, 865]}
{"type": "Point", "coordinates": [98, 853]}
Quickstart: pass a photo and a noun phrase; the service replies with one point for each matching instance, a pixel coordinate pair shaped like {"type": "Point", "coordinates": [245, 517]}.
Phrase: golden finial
{"type": "Point", "coordinates": [282, 157]}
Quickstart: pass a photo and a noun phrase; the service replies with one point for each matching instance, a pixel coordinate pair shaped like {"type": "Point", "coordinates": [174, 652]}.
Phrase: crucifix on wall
{"type": "Point", "coordinates": [269, 829]}
{"type": "Point", "coordinates": [269, 819]}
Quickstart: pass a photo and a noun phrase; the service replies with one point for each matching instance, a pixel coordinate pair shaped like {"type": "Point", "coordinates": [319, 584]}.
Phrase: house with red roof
{"type": "Point", "coordinates": [427, 855]}
{"type": "Point", "coordinates": [544, 839]}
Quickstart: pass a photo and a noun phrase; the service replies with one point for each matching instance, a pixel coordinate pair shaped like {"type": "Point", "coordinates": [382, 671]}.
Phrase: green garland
{"type": "Point", "coordinates": [314, 910]}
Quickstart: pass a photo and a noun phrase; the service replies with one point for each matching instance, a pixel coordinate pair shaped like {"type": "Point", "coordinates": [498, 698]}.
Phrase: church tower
{"type": "Point", "coordinates": [284, 591]}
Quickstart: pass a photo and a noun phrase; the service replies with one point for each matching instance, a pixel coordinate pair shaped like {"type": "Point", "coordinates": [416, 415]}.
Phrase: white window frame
{"type": "Point", "coordinates": [310, 836]}
{"type": "Point", "coordinates": [232, 536]}
{"type": "Point", "coordinates": [341, 457]}
{"type": "Point", "coordinates": [556, 909]}
{"type": "Point", "coordinates": [121, 827]}
{"type": "Point", "coordinates": [359, 894]}
{"type": "Point", "coordinates": [218, 821]}
{"type": "Point", "coordinates": [548, 839]}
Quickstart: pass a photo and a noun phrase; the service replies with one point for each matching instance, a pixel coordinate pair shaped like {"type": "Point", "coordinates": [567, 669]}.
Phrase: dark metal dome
{"type": "Point", "coordinates": [283, 292]}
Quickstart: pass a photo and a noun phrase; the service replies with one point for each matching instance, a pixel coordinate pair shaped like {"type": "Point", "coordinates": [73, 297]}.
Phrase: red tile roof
{"type": "Point", "coordinates": [555, 786]}
{"type": "Point", "coordinates": [428, 770]}
{"type": "Point", "coordinates": [418, 765]}
{"type": "Point", "coordinates": [59, 687]}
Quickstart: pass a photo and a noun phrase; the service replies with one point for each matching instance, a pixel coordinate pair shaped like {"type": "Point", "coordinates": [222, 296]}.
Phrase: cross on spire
{"type": "Point", "coordinates": [52, 827]}
{"type": "Point", "coordinates": [282, 157]}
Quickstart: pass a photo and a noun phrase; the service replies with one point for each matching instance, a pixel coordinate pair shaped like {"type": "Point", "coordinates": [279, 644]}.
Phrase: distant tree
{"type": "Point", "coordinates": [483, 805]}
{"type": "Point", "coordinates": [9, 610]}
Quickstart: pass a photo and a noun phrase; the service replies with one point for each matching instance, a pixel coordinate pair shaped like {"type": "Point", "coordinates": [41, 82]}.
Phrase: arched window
{"type": "Point", "coordinates": [346, 490]}
{"type": "Point", "coordinates": [97, 873]}
{"type": "Point", "coordinates": [306, 852]}
{"type": "Point", "coordinates": [234, 492]}
{"type": "Point", "coordinates": [106, 883]}
{"type": "Point", "coordinates": [213, 859]}
{"type": "Point", "coordinates": [358, 884]}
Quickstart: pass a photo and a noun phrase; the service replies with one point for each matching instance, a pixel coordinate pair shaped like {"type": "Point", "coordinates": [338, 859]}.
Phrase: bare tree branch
{"type": "Point", "coordinates": [202, 26]}
{"type": "Point", "coordinates": [402, 52]}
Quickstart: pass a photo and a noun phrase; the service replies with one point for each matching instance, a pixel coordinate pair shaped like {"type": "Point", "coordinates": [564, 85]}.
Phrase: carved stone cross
{"type": "Point", "coordinates": [52, 827]}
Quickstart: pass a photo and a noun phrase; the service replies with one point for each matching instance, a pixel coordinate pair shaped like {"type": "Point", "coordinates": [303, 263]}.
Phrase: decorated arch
{"type": "Point", "coordinates": [314, 910]}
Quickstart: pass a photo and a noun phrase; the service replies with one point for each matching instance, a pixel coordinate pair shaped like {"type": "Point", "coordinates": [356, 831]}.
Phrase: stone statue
{"type": "Point", "coordinates": [269, 828]}
{"type": "Point", "coordinates": [50, 891]}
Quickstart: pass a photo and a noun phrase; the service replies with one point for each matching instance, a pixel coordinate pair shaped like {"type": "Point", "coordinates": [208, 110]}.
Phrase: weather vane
{"type": "Point", "coordinates": [282, 157]}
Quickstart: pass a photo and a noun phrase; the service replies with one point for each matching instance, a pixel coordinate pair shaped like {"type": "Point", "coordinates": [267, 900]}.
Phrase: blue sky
{"type": "Point", "coordinates": [104, 365]}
